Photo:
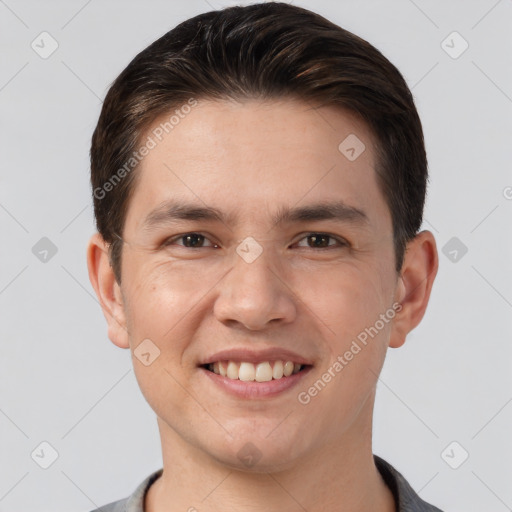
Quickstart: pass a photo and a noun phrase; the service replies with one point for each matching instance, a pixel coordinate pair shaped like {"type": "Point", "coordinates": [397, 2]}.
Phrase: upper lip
{"type": "Point", "coordinates": [255, 356]}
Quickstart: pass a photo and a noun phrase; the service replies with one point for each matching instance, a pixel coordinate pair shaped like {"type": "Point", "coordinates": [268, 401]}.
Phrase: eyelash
{"type": "Point", "coordinates": [340, 241]}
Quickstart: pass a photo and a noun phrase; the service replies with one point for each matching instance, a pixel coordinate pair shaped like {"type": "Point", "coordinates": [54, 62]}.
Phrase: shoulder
{"type": "Point", "coordinates": [115, 506]}
{"type": "Point", "coordinates": [406, 498]}
{"type": "Point", "coordinates": [134, 502]}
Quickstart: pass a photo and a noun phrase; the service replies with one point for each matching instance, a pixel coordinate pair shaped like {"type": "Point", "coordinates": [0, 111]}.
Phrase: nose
{"type": "Point", "coordinates": [255, 294]}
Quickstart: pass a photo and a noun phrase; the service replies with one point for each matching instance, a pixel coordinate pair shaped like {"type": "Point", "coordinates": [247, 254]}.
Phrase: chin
{"type": "Point", "coordinates": [252, 460]}
{"type": "Point", "coordinates": [256, 452]}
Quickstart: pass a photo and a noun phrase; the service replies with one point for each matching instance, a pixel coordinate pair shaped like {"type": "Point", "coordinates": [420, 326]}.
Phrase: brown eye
{"type": "Point", "coordinates": [190, 241]}
{"type": "Point", "coordinates": [193, 240]}
{"type": "Point", "coordinates": [321, 241]}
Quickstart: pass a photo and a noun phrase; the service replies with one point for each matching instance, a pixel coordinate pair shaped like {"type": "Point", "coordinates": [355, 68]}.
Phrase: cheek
{"type": "Point", "coordinates": [349, 303]}
{"type": "Point", "coordinates": [345, 299]}
{"type": "Point", "coordinates": [151, 282]}
{"type": "Point", "coordinates": [150, 301]}
{"type": "Point", "coordinates": [160, 308]}
{"type": "Point", "coordinates": [163, 298]}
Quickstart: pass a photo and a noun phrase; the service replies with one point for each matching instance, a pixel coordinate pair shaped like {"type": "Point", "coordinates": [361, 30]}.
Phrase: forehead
{"type": "Point", "coordinates": [257, 157]}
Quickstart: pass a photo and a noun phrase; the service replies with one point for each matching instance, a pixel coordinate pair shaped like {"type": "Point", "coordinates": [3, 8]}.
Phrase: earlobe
{"type": "Point", "coordinates": [107, 290]}
{"type": "Point", "coordinates": [414, 285]}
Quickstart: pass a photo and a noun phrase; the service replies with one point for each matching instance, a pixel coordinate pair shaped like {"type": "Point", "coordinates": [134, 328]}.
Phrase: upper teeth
{"type": "Point", "coordinates": [261, 372]}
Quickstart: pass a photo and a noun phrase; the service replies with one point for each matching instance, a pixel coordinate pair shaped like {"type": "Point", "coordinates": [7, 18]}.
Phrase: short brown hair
{"type": "Point", "coordinates": [262, 51]}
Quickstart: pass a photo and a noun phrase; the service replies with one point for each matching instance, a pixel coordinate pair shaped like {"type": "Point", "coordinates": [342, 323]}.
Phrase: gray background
{"type": "Point", "coordinates": [62, 381]}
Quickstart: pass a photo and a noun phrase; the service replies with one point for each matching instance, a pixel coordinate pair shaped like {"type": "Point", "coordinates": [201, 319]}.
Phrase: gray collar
{"type": "Point", "coordinates": [405, 497]}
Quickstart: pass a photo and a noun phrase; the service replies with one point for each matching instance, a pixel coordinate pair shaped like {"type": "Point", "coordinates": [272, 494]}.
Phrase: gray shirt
{"type": "Point", "coordinates": [405, 497]}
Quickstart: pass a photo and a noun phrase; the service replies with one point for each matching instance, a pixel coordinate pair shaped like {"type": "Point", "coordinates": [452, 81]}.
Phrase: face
{"type": "Point", "coordinates": [252, 238]}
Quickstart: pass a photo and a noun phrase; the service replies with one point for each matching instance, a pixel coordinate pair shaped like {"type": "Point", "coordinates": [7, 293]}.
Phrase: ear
{"type": "Point", "coordinates": [107, 290]}
{"type": "Point", "coordinates": [414, 285]}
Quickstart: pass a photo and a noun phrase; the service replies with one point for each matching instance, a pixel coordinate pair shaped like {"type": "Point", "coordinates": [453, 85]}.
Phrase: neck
{"type": "Point", "coordinates": [340, 477]}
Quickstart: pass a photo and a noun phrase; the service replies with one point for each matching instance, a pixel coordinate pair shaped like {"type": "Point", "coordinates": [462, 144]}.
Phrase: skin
{"type": "Point", "coordinates": [250, 159]}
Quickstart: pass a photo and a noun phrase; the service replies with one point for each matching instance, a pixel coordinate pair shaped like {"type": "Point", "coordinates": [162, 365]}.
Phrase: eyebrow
{"type": "Point", "coordinates": [331, 210]}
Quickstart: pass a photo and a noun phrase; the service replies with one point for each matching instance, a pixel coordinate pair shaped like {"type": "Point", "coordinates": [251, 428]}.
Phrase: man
{"type": "Point", "coordinates": [259, 178]}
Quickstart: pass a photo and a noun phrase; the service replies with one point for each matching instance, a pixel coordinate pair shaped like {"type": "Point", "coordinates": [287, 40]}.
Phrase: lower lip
{"type": "Point", "coordinates": [253, 389]}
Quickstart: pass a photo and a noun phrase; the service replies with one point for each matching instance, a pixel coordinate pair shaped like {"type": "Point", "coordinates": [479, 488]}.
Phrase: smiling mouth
{"type": "Point", "coordinates": [264, 371]}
